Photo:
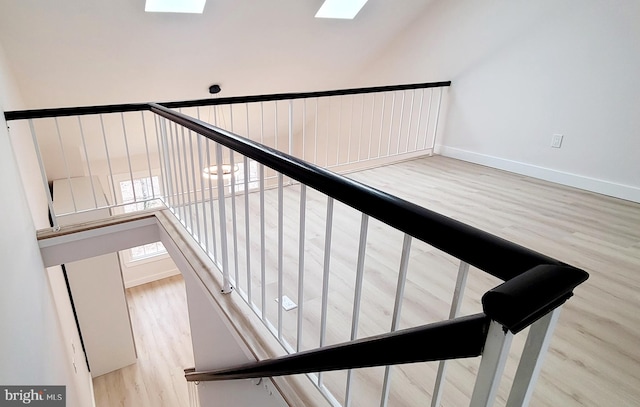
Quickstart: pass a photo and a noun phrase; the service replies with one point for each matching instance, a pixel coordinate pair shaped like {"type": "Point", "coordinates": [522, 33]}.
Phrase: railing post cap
{"type": "Point", "coordinates": [524, 299]}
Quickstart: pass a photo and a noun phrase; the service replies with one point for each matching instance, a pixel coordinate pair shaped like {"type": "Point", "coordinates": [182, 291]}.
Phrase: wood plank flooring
{"type": "Point", "coordinates": [160, 323]}
{"type": "Point", "coordinates": [594, 359]}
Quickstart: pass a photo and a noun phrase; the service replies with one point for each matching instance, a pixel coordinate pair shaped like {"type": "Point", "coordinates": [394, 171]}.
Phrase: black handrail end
{"type": "Point", "coordinates": [522, 300]}
{"type": "Point", "coordinates": [435, 341]}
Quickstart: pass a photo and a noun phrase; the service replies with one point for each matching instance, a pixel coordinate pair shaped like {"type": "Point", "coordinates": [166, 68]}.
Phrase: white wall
{"type": "Point", "coordinates": [215, 342]}
{"type": "Point", "coordinates": [33, 347]}
{"type": "Point", "coordinates": [140, 272]}
{"type": "Point", "coordinates": [523, 71]}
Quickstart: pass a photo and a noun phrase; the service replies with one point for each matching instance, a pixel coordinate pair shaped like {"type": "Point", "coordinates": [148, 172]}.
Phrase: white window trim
{"type": "Point", "coordinates": [125, 255]}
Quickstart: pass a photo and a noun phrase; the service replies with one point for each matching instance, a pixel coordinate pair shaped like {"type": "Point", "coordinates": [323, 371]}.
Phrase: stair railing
{"type": "Point", "coordinates": [535, 285]}
{"type": "Point", "coordinates": [231, 193]}
{"type": "Point", "coordinates": [530, 298]}
{"type": "Point", "coordinates": [116, 144]}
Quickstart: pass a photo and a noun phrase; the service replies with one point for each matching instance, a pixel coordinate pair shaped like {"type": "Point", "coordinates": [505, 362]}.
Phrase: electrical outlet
{"type": "Point", "coordinates": [287, 303]}
{"type": "Point", "coordinates": [556, 140]}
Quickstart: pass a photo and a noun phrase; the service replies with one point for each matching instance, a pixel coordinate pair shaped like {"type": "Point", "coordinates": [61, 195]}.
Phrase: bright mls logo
{"type": "Point", "coordinates": [43, 396]}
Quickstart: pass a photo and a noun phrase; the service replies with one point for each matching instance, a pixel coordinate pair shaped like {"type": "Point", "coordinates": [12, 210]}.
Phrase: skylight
{"type": "Point", "coordinates": [174, 6]}
{"type": "Point", "coordinates": [344, 9]}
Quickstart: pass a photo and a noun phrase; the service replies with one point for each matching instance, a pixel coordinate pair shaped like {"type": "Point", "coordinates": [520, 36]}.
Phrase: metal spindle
{"type": "Point", "coordinates": [167, 160]}
{"type": "Point", "coordinates": [204, 206]}
{"type": "Point", "coordinates": [186, 178]}
{"type": "Point", "coordinates": [195, 189]}
{"type": "Point", "coordinates": [280, 251]}
{"type": "Point", "coordinates": [361, 129]}
{"type": "Point", "coordinates": [247, 233]}
{"type": "Point", "coordinates": [43, 173]}
{"type": "Point", "coordinates": [393, 110]}
{"type": "Point", "coordinates": [456, 303]}
{"type": "Point", "coordinates": [213, 216]}
{"type": "Point", "coordinates": [350, 133]}
{"type": "Point", "coordinates": [304, 127]}
{"type": "Point", "coordinates": [325, 276]}
{"type": "Point", "coordinates": [401, 121]}
{"type": "Point", "coordinates": [275, 134]}
{"type": "Point", "coordinates": [303, 206]}
{"type": "Point", "coordinates": [178, 196]}
{"type": "Point", "coordinates": [166, 136]}
{"type": "Point", "coordinates": [126, 145]}
{"type": "Point", "coordinates": [161, 154]}
{"type": "Point", "coordinates": [66, 165]}
{"type": "Point", "coordinates": [535, 349]}
{"type": "Point", "coordinates": [261, 122]}
{"type": "Point", "coordinates": [419, 120]}
{"type": "Point", "coordinates": [226, 285]}
{"type": "Point", "coordinates": [180, 167]}
{"type": "Point", "coordinates": [234, 219]}
{"type": "Point", "coordinates": [106, 150]}
{"type": "Point", "coordinates": [146, 147]}
{"type": "Point", "coordinates": [435, 126]}
{"type": "Point", "coordinates": [494, 358]}
{"type": "Point", "coordinates": [426, 128]}
{"type": "Point", "coordinates": [326, 143]}
{"type": "Point", "coordinates": [246, 116]}
{"type": "Point", "coordinates": [373, 110]}
{"type": "Point", "coordinates": [290, 127]}
{"type": "Point", "coordinates": [86, 156]}
{"type": "Point", "coordinates": [413, 97]}
{"type": "Point", "coordinates": [172, 167]}
{"type": "Point", "coordinates": [397, 309]}
{"type": "Point", "coordinates": [384, 97]}
{"type": "Point", "coordinates": [339, 141]}
{"type": "Point", "coordinates": [357, 296]}
{"type": "Point", "coordinates": [263, 273]}
{"type": "Point", "coordinates": [180, 173]}
{"type": "Point", "coordinates": [315, 137]}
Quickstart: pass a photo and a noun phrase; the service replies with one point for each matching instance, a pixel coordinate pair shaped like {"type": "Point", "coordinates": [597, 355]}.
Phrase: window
{"type": "Point", "coordinates": [142, 189]}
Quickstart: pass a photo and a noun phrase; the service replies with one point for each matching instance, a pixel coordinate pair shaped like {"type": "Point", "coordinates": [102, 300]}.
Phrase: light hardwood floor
{"type": "Point", "coordinates": [160, 323]}
{"type": "Point", "coordinates": [594, 359]}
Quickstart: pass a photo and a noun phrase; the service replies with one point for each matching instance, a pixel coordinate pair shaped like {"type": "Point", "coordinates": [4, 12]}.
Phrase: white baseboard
{"type": "Point", "coordinates": [151, 277]}
{"type": "Point", "coordinates": [621, 191]}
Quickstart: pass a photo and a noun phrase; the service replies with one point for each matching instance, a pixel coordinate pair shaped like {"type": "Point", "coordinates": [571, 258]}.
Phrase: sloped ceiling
{"type": "Point", "coordinates": [82, 52]}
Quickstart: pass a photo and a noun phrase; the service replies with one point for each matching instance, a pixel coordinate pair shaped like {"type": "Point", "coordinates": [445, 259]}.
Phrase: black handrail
{"type": "Point", "coordinates": [522, 300]}
{"type": "Point", "coordinates": [304, 95]}
{"type": "Point", "coordinates": [437, 341]}
{"type": "Point", "coordinates": [515, 304]}
{"type": "Point", "coordinates": [534, 283]}
{"type": "Point", "coordinates": [74, 111]}
{"type": "Point", "coordinates": [490, 253]}
{"type": "Point", "coordinates": [133, 107]}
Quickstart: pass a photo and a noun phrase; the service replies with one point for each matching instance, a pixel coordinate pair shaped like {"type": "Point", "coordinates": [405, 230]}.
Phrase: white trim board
{"type": "Point", "coordinates": [627, 192]}
{"type": "Point", "coordinates": [148, 278]}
